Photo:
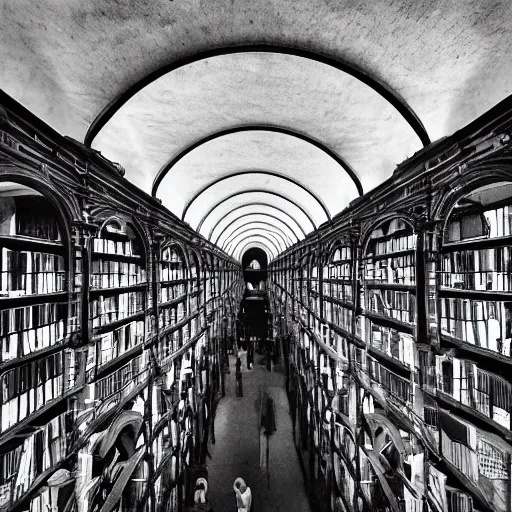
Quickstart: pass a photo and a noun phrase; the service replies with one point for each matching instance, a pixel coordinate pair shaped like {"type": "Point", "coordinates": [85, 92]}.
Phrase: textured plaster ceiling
{"type": "Point", "coordinates": [68, 61]}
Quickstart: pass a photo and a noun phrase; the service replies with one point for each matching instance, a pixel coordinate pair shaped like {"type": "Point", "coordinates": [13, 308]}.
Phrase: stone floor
{"type": "Point", "coordinates": [237, 448]}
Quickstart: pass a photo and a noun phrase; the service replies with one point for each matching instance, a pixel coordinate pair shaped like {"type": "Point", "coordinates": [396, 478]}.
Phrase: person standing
{"type": "Point", "coordinates": [243, 495]}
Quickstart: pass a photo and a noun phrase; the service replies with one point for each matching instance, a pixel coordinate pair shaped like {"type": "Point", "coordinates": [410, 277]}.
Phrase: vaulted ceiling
{"type": "Point", "coordinates": [256, 121]}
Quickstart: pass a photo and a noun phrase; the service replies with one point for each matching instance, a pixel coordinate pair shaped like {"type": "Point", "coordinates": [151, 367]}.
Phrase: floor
{"type": "Point", "coordinates": [236, 451]}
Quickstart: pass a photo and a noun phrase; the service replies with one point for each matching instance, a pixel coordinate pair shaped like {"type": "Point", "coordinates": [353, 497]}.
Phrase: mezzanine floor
{"type": "Point", "coordinates": [237, 448]}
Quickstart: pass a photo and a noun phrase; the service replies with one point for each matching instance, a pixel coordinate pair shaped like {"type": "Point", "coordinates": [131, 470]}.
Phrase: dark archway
{"type": "Point", "coordinates": [254, 253]}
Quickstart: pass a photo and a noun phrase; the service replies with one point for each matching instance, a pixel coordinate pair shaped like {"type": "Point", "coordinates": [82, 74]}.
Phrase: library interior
{"type": "Point", "coordinates": [256, 256]}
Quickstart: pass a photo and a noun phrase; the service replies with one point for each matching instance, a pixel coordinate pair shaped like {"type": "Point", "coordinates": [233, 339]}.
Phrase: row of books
{"type": "Point", "coordinates": [46, 499]}
{"type": "Point", "coordinates": [116, 247]}
{"type": "Point", "coordinates": [400, 305]}
{"type": "Point", "coordinates": [39, 452]}
{"type": "Point", "coordinates": [168, 345]}
{"type": "Point", "coordinates": [400, 243]}
{"type": "Point", "coordinates": [172, 272]}
{"type": "Point", "coordinates": [341, 291]}
{"type": "Point", "coordinates": [338, 315]}
{"type": "Point", "coordinates": [494, 259]}
{"type": "Point", "coordinates": [458, 501]}
{"type": "Point", "coordinates": [171, 255]}
{"type": "Point", "coordinates": [460, 456]}
{"type": "Point", "coordinates": [484, 281]}
{"type": "Point", "coordinates": [459, 444]}
{"type": "Point", "coordinates": [499, 221]}
{"type": "Point", "coordinates": [113, 274]}
{"type": "Point", "coordinates": [468, 384]}
{"type": "Point", "coordinates": [172, 315]}
{"type": "Point", "coordinates": [396, 344]}
{"type": "Point", "coordinates": [342, 253]}
{"type": "Point", "coordinates": [107, 309]}
{"type": "Point", "coordinates": [120, 381]}
{"type": "Point", "coordinates": [28, 387]}
{"type": "Point", "coordinates": [484, 269]}
{"type": "Point", "coordinates": [27, 273]}
{"type": "Point", "coordinates": [31, 216]}
{"type": "Point", "coordinates": [171, 292]}
{"type": "Point", "coordinates": [117, 342]}
{"type": "Point", "coordinates": [31, 328]}
{"type": "Point", "coordinates": [401, 270]}
{"type": "Point", "coordinates": [397, 386]}
{"type": "Point", "coordinates": [338, 271]}
{"type": "Point", "coordinates": [486, 324]}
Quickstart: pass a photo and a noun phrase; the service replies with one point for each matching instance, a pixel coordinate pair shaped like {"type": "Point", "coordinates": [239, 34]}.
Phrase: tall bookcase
{"type": "Point", "coordinates": [389, 299]}
{"type": "Point", "coordinates": [473, 381]}
{"type": "Point", "coordinates": [37, 368]}
{"type": "Point", "coordinates": [118, 301]}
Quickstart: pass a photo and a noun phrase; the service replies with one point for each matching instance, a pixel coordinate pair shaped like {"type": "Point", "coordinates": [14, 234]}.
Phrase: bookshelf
{"type": "Point", "coordinates": [338, 293]}
{"type": "Point", "coordinates": [117, 294]}
{"type": "Point", "coordinates": [37, 367]}
{"type": "Point", "coordinates": [389, 292]}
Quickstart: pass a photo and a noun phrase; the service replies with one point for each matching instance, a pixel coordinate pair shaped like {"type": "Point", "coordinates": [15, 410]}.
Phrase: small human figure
{"type": "Point", "coordinates": [201, 503]}
{"type": "Point", "coordinates": [243, 495]}
{"type": "Point", "coordinates": [239, 389]}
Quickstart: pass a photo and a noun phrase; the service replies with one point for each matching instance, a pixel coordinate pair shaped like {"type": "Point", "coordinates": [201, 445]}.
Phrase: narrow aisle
{"type": "Point", "coordinates": [236, 452]}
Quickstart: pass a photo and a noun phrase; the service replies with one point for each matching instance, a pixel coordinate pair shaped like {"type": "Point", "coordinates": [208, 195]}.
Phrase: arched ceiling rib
{"type": "Point", "coordinates": [264, 88]}
{"type": "Point", "coordinates": [247, 175]}
{"type": "Point", "coordinates": [255, 128]}
{"type": "Point", "coordinates": [271, 220]}
{"type": "Point", "coordinates": [249, 245]}
{"type": "Point", "coordinates": [231, 64]}
{"type": "Point", "coordinates": [257, 228]}
{"type": "Point", "coordinates": [271, 241]}
{"type": "Point", "coordinates": [252, 150]}
{"type": "Point", "coordinates": [380, 88]}
{"type": "Point", "coordinates": [232, 249]}
{"type": "Point", "coordinates": [273, 198]}
{"type": "Point", "coordinates": [263, 182]}
{"type": "Point", "coordinates": [68, 63]}
{"type": "Point", "coordinates": [255, 208]}
{"type": "Point", "coordinates": [285, 242]}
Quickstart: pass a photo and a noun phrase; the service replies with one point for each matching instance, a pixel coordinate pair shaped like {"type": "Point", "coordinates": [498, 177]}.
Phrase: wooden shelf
{"type": "Point", "coordinates": [379, 285]}
{"type": "Point", "coordinates": [489, 358]}
{"type": "Point", "coordinates": [173, 282]}
{"type": "Point", "coordinates": [175, 301]}
{"type": "Point", "coordinates": [475, 294]}
{"type": "Point", "coordinates": [394, 364]}
{"type": "Point", "coordinates": [37, 354]}
{"type": "Point", "coordinates": [393, 254]}
{"type": "Point", "coordinates": [113, 365]}
{"type": "Point", "coordinates": [469, 413]}
{"type": "Point", "coordinates": [21, 242]}
{"type": "Point", "coordinates": [101, 329]}
{"type": "Point", "coordinates": [27, 300]}
{"type": "Point", "coordinates": [17, 429]}
{"type": "Point", "coordinates": [118, 257]}
{"type": "Point", "coordinates": [482, 243]}
{"type": "Point", "coordinates": [387, 321]}
{"type": "Point", "coordinates": [118, 290]}
{"type": "Point", "coordinates": [339, 302]}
